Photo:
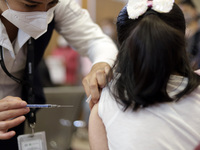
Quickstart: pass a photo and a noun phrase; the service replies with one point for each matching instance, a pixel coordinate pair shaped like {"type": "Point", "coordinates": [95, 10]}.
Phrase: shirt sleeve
{"type": "Point", "coordinates": [77, 27]}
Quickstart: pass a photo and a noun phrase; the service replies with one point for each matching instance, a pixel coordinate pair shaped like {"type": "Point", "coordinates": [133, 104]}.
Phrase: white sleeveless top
{"type": "Point", "coordinates": [167, 126]}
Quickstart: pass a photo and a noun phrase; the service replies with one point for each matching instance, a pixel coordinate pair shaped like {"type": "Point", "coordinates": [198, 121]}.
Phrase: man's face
{"type": "Point", "coordinates": [28, 5]}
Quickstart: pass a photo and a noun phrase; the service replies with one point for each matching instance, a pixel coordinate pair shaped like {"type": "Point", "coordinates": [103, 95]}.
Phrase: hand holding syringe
{"type": "Point", "coordinates": [48, 106]}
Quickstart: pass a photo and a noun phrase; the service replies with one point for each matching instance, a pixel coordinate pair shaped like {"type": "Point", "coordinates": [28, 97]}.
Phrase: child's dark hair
{"type": "Point", "coordinates": [152, 48]}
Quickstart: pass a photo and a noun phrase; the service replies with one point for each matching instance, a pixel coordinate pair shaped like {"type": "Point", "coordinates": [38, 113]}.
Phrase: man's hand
{"type": "Point", "coordinates": [96, 80]}
{"type": "Point", "coordinates": [12, 110]}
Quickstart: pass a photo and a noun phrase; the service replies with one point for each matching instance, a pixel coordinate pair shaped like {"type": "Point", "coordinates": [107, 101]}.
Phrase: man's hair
{"type": "Point", "coordinates": [152, 48]}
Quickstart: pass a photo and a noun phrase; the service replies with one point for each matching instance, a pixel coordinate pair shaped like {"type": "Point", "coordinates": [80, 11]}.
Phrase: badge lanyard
{"type": "Point", "coordinates": [30, 63]}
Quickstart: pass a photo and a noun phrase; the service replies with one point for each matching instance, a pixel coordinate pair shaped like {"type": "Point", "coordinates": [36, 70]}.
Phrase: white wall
{"type": "Point", "coordinates": [91, 6]}
{"type": "Point", "coordinates": [197, 3]}
{"type": "Point", "coordinates": [124, 1]}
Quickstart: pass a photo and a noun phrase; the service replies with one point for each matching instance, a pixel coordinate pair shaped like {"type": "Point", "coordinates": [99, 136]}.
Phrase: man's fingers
{"type": "Point", "coordinates": [4, 115]}
{"type": "Point", "coordinates": [10, 110]}
{"type": "Point", "coordinates": [107, 70]}
{"type": "Point", "coordinates": [7, 135]}
{"type": "Point", "coordinates": [94, 90]}
{"type": "Point", "coordinates": [91, 87]}
{"type": "Point", "coordinates": [86, 86]}
{"type": "Point", "coordinates": [101, 78]}
{"type": "Point", "coordinates": [5, 125]}
{"type": "Point", "coordinates": [96, 80]}
{"type": "Point", "coordinates": [109, 73]}
{"type": "Point", "coordinates": [10, 102]}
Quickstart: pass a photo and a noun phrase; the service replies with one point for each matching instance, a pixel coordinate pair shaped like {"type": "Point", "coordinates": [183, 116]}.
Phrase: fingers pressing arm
{"type": "Point", "coordinates": [96, 80]}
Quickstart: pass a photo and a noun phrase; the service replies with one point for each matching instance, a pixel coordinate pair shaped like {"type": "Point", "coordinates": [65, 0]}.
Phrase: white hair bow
{"type": "Point", "coordinates": [136, 8]}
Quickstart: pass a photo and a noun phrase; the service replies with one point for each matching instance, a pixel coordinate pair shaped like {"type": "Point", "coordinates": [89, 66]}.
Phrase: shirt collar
{"type": "Point", "coordinates": [21, 39]}
{"type": "Point", "coordinates": [14, 48]}
{"type": "Point", "coordinates": [4, 39]}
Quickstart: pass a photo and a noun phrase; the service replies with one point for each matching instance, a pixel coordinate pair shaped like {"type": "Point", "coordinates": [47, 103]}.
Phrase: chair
{"type": "Point", "coordinates": [58, 122]}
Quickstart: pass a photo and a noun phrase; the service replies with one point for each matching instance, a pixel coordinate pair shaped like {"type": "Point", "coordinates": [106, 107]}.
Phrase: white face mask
{"type": "Point", "coordinates": [33, 23]}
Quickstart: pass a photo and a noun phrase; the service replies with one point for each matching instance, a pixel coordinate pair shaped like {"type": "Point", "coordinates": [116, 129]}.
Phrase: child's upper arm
{"type": "Point", "coordinates": [97, 132]}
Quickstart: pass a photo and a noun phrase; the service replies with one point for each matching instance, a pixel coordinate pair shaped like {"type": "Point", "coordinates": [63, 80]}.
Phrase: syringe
{"type": "Point", "coordinates": [88, 99]}
{"type": "Point", "coordinates": [48, 106]}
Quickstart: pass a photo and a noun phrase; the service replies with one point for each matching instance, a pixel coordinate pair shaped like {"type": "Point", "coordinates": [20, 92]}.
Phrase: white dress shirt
{"type": "Point", "coordinates": [75, 25]}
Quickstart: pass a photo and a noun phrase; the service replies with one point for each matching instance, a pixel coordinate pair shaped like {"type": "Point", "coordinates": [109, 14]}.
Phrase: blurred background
{"type": "Point", "coordinates": [62, 71]}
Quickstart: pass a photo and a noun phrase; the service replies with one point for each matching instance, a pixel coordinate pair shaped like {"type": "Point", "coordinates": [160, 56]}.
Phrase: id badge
{"type": "Point", "coordinates": [36, 141]}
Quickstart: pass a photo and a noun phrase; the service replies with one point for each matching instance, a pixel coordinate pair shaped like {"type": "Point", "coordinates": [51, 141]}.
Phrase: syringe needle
{"type": "Point", "coordinates": [61, 106]}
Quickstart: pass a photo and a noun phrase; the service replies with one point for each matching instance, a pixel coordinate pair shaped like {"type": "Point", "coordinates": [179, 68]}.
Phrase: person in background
{"type": "Point", "coordinates": [192, 31]}
{"type": "Point", "coordinates": [153, 100]}
{"type": "Point", "coordinates": [198, 147]}
{"type": "Point", "coordinates": [26, 27]}
{"type": "Point", "coordinates": [64, 64]}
